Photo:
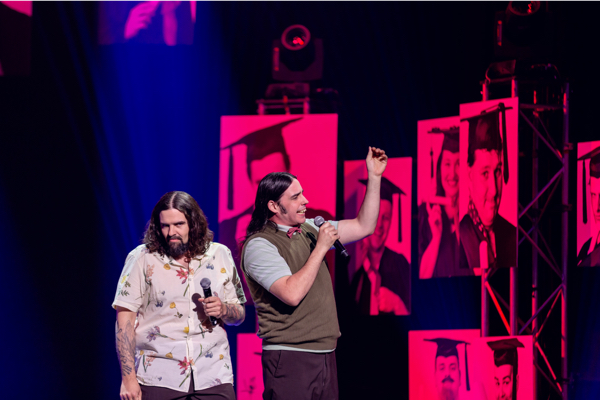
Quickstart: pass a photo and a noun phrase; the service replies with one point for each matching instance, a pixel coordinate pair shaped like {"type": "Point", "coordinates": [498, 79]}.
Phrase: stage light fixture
{"type": "Point", "coordinates": [297, 56]}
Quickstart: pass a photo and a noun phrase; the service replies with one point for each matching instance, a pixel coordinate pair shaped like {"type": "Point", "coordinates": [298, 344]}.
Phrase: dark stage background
{"type": "Point", "coordinates": [95, 135]}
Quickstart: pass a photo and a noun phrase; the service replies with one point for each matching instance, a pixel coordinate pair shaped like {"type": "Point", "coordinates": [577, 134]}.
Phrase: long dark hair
{"type": "Point", "coordinates": [199, 236]}
{"type": "Point", "coordinates": [271, 187]}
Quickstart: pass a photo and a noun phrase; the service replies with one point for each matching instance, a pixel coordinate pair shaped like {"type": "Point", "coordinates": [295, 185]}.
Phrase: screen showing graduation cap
{"type": "Point", "coordinates": [446, 365]}
{"type": "Point", "coordinates": [260, 144]}
{"type": "Point", "coordinates": [484, 134]}
{"type": "Point", "coordinates": [588, 234]}
{"type": "Point", "coordinates": [506, 360]}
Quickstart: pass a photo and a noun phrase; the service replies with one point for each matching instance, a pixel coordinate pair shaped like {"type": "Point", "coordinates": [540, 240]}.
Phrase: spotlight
{"type": "Point", "coordinates": [297, 57]}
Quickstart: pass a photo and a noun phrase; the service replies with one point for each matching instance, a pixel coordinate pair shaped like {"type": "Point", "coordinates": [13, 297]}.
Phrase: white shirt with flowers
{"type": "Point", "coordinates": [174, 338]}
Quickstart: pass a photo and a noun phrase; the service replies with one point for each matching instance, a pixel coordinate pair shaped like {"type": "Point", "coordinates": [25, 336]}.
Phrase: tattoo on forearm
{"type": "Point", "coordinates": [234, 314]}
{"type": "Point", "coordinates": [125, 339]}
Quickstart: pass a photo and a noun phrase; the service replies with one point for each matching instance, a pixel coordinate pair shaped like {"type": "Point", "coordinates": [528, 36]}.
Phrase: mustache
{"type": "Point", "coordinates": [174, 237]}
{"type": "Point", "coordinates": [448, 379]}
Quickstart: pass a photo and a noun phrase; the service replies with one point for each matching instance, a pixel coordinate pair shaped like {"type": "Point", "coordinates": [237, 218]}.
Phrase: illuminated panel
{"type": "Point", "coordinates": [151, 22]}
{"type": "Point", "coordinates": [588, 211]}
{"type": "Point", "coordinates": [249, 379]}
{"type": "Point", "coordinates": [255, 145]}
{"type": "Point", "coordinates": [379, 269]}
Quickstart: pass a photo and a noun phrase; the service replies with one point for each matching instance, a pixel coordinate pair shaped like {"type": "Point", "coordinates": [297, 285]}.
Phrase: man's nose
{"type": "Point", "coordinates": [171, 231]}
{"type": "Point", "coordinates": [305, 200]}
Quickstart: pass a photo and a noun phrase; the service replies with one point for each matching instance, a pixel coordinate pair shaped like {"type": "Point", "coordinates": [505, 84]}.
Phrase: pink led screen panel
{"type": "Point", "coordinates": [15, 38]}
{"type": "Point", "coordinates": [588, 204]}
{"type": "Point", "coordinates": [504, 366]}
{"type": "Point", "coordinates": [489, 183]}
{"type": "Point", "coordinates": [379, 269]}
{"type": "Point", "coordinates": [256, 145]}
{"type": "Point", "coordinates": [437, 366]}
{"type": "Point", "coordinates": [438, 184]}
{"type": "Point", "coordinates": [249, 379]}
{"type": "Point", "coordinates": [152, 22]}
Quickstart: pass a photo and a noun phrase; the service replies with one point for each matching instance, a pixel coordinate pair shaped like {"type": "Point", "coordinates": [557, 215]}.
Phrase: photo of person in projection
{"type": "Point", "coordinates": [266, 152]}
{"type": "Point", "coordinates": [488, 171]}
{"type": "Point", "coordinates": [150, 22]}
{"type": "Point", "coordinates": [381, 285]}
{"type": "Point", "coordinates": [589, 253]}
{"type": "Point", "coordinates": [438, 215]}
{"type": "Point", "coordinates": [448, 370]}
{"type": "Point", "coordinates": [506, 372]}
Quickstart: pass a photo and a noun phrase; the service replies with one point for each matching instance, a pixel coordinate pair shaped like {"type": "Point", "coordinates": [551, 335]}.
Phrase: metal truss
{"type": "Point", "coordinates": [534, 117]}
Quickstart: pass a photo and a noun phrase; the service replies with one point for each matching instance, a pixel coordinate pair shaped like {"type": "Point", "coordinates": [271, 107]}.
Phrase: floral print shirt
{"type": "Point", "coordinates": [174, 338]}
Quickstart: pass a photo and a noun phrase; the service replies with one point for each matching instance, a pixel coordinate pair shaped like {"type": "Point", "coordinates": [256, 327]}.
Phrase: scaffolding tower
{"type": "Point", "coordinates": [544, 128]}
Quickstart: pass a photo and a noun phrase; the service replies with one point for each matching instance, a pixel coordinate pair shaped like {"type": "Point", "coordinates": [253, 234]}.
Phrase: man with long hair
{"type": "Point", "coordinates": [170, 337]}
{"type": "Point", "coordinates": [283, 261]}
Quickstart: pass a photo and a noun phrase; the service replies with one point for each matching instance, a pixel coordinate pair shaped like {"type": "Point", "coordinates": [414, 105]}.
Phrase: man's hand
{"type": "Point", "coordinates": [130, 390]}
{"type": "Point", "coordinates": [213, 307]}
{"type": "Point", "coordinates": [376, 161]}
{"type": "Point", "coordinates": [327, 236]}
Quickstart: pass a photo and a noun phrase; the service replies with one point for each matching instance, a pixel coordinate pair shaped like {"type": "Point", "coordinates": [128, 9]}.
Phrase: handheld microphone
{"type": "Point", "coordinates": [205, 283]}
{"type": "Point", "coordinates": [339, 246]}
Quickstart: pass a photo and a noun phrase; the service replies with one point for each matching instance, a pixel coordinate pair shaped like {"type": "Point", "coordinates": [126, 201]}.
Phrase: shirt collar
{"type": "Point", "coordinates": [168, 260]}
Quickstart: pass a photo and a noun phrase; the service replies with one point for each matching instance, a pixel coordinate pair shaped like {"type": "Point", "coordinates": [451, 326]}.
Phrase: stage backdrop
{"type": "Point", "coordinates": [438, 188]}
{"type": "Point", "coordinates": [491, 181]}
{"type": "Point", "coordinates": [254, 146]}
{"type": "Point", "coordinates": [588, 211]}
{"type": "Point", "coordinates": [428, 377]}
{"type": "Point", "coordinates": [393, 234]}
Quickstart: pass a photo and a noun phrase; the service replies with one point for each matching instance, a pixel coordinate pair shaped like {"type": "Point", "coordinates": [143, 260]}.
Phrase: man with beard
{"type": "Point", "coordinates": [382, 283]}
{"type": "Point", "coordinates": [447, 368]}
{"type": "Point", "coordinates": [488, 169]}
{"type": "Point", "coordinates": [506, 373]}
{"type": "Point", "coordinates": [170, 337]}
{"type": "Point", "coordinates": [589, 254]}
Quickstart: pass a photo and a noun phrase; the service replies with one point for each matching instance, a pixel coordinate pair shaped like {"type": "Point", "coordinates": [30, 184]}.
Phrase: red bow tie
{"type": "Point", "coordinates": [293, 230]}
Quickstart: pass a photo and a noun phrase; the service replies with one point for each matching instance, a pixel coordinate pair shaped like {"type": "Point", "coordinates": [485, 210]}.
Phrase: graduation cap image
{"type": "Point", "coordinates": [259, 144]}
{"type": "Point", "coordinates": [594, 157]}
{"type": "Point", "coordinates": [484, 134]}
{"type": "Point", "coordinates": [388, 189]}
{"type": "Point", "coordinates": [505, 353]}
{"type": "Point", "coordinates": [447, 348]}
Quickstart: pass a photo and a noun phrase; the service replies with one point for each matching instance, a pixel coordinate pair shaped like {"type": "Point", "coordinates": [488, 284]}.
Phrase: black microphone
{"type": "Point", "coordinates": [340, 247]}
{"type": "Point", "coordinates": [205, 283]}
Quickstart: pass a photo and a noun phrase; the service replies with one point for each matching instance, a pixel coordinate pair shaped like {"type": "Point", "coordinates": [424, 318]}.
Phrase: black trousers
{"type": "Point", "coordinates": [298, 375]}
{"type": "Point", "coordinates": [219, 392]}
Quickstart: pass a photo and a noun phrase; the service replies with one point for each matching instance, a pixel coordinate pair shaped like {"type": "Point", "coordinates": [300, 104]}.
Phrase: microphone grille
{"type": "Point", "coordinates": [205, 283]}
{"type": "Point", "coordinates": [319, 221]}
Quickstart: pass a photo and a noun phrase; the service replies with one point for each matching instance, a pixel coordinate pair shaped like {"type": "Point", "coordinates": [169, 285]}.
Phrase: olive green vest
{"type": "Point", "coordinates": [312, 324]}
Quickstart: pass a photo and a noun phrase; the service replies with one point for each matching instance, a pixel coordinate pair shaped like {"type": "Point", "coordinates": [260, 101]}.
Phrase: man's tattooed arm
{"type": "Point", "coordinates": [233, 314]}
{"type": "Point", "coordinates": [125, 341]}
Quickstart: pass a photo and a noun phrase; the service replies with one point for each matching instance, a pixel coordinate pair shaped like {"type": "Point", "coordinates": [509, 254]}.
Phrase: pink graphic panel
{"type": "Point", "coordinates": [152, 22]}
{"type": "Point", "coordinates": [253, 146]}
{"type": "Point", "coordinates": [15, 38]}
{"type": "Point", "coordinates": [437, 365]}
{"type": "Point", "coordinates": [504, 365]}
{"type": "Point", "coordinates": [379, 269]}
{"type": "Point", "coordinates": [488, 199]}
{"type": "Point", "coordinates": [438, 188]}
{"type": "Point", "coordinates": [249, 380]}
{"type": "Point", "coordinates": [588, 205]}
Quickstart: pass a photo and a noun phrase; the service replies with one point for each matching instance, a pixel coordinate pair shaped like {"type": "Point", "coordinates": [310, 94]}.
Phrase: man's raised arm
{"type": "Point", "coordinates": [351, 230]}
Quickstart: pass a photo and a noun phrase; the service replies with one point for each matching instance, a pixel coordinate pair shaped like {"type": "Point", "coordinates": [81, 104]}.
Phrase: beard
{"type": "Point", "coordinates": [447, 394]}
{"type": "Point", "coordinates": [176, 250]}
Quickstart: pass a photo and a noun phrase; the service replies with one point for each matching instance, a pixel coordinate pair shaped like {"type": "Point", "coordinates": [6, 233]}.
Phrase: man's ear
{"type": "Point", "coordinates": [273, 206]}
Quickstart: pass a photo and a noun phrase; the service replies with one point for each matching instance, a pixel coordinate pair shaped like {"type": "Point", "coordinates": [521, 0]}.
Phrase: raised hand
{"type": "Point", "coordinates": [376, 161]}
